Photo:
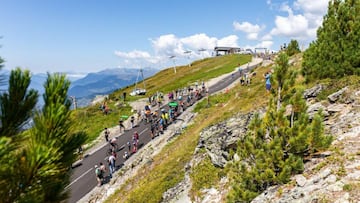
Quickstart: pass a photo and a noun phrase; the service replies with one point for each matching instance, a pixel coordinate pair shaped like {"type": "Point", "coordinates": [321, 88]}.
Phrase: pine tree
{"type": "Point", "coordinates": [2, 79]}
{"type": "Point", "coordinates": [336, 52]}
{"type": "Point", "coordinates": [275, 144]}
{"type": "Point", "coordinates": [35, 162]}
{"type": "Point", "coordinates": [16, 107]}
{"type": "Point", "coordinates": [17, 103]}
{"type": "Point", "coordinates": [293, 48]}
{"type": "Point", "coordinates": [53, 137]}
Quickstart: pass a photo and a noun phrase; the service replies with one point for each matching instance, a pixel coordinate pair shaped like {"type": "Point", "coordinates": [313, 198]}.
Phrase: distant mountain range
{"type": "Point", "coordinates": [86, 88]}
{"type": "Point", "coordinates": [106, 81]}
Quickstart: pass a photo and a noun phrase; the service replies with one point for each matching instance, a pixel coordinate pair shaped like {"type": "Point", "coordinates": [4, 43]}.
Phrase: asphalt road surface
{"type": "Point", "coordinates": [83, 179]}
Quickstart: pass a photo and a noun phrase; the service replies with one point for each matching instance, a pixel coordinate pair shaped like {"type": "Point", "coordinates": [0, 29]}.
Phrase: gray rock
{"type": "Point", "coordinates": [336, 95]}
{"type": "Point", "coordinates": [344, 198]}
{"type": "Point", "coordinates": [323, 174]}
{"type": "Point", "coordinates": [315, 108]}
{"type": "Point", "coordinates": [314, 91]}
{"type": "Point", "coordinates": [333, 108]}
{"type": "Point", "coordinates": [217, 160]}
{"type": "Point", "coordinates": [297, 194]}
{"type": "Point", "coordinates": [353, 176]}
{"type": "Point", "coordinates": [236, 157]}
{"type": "Point", "coordinates": [336, 187]}
{"type": "Point", "coordinates": [267, 195]}
{"type": "Point", "coordinates": [331, 179]}
{"type": "Point", "coordinates": [219, 139]}
{"type": "Point", "coordinates": [300, 180]}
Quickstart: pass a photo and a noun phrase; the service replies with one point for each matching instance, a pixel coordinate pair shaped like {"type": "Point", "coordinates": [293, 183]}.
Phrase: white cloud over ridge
{"type": "Point", "coordinates": [300, 21]}
{"type": "Point", "coordinates": [251, 30]}
{"type": "Point", "coordinates": [295, 26]}
{"type": "Point", "coordinates": [133, 54]}
{"type": "Point", "coordinates": [170, 45]}
{"type": "Point", "coordinates": [246, 27]}
{"type": "Point", "coordinates": [302, 25]}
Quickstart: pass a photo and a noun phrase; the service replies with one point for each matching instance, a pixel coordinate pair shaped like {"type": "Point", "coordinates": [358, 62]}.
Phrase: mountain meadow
{"type": "Point", "coordinates": [297, 142]}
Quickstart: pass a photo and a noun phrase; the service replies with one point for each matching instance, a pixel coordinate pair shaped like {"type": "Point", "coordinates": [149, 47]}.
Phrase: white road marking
{"type": "Point", "coordinates": [143, 131]}
{"type": "Point", "coordinates": [78, 178]}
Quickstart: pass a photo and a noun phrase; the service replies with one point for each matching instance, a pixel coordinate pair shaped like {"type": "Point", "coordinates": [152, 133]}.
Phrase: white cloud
{"type": "Point", "coordinates": [133, 54]}
{"type": "Point", "coordinates": [265, 44]}
{"type": "Point", "coordinates": [252, 36]}
{"type": "Point", "coordinates": [229, 41]}
{"type": "Point", "coordinates": [303, 25]}
{"type": "Point", "coordinates": [313, 10]}
{"type": "Point", "coordinates": [170, 45]}
{"type": "Point", "coordinates": [246, 27]}
{"type": "Point", "coordinates": [251, 30]}
{"type": "Point", "coordinates": [266, 37]}
{"type": "Point", "coordinates": [295, 26]}
{"type": "Point", "coordinates": [318, 7]}
{"type": "Point", "coordinates": [199, 41]}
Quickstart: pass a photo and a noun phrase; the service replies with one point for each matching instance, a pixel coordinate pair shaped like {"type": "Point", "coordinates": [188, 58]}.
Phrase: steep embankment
{"type": "Point", "coordinates": [166, 169]}
{"type": "Point", "coordinates": [189, 168]}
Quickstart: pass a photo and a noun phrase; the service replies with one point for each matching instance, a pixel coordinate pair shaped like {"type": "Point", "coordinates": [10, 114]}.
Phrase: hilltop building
{"type": "Point", "coordinates": [226, 50]}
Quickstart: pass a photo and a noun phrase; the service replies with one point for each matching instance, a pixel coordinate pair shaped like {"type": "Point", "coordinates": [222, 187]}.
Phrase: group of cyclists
{"type": "Point", "coordinates": [158, 120]}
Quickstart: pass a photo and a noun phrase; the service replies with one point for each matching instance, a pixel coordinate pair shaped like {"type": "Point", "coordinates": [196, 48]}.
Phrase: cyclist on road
{"type": "Point", "coordinates": [113, 144]}
{"type": "Point", "coordinates": [121, 125]}
{"type": "Point", "coordinates": [106, 133]}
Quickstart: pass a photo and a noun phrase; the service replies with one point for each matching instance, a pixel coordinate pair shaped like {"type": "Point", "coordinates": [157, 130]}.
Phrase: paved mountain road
{"type": "Point", "coordinates": [83, 178]}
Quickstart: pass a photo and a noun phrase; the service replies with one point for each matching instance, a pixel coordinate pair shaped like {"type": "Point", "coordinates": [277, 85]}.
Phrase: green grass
{"type": "Point", "coordinates": [202, 70]}
{"type": "Point", "coordinates": [167, 168]}
{"type": "Point", "coordinates": [204, 175]}
{"type": "Point", "coordinates": [92, 121]}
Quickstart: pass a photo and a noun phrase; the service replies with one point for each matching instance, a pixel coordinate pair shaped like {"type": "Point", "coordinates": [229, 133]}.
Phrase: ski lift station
{"type": "Point", "coordinates": [139, 91]}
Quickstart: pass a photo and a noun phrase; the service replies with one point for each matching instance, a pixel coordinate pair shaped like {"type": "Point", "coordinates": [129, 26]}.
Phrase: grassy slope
{"type": "Point", "coordinates": [167, 168]}
{"type": "Point", "coordinates": [92, 121]}
{"type": "Point", "coordinates": [166, 80]}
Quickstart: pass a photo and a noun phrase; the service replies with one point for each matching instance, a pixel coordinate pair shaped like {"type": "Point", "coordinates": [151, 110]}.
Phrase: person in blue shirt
{"type": "Point", "coordinates": [267, 81]}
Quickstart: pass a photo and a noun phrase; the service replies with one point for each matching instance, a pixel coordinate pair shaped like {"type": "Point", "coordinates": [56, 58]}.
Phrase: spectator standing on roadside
{"type": "Point", "coordinates": [121, 125]}
{"type": "Point", "coordinates": [267, 77]}
{"type": "Point", "coordinates": [132, 120]}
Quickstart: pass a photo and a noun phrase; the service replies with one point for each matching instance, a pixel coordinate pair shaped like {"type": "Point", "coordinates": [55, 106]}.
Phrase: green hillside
{"type": "Point", "coordinates": [166, 80]}
{"type": "Point", "coordinates": [167, 168]}
{"type": "Point", "coordinates": [93, 121]}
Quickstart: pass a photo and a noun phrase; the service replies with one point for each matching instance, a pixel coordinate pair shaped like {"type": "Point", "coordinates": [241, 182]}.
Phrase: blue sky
{"type": "Point", "coordinates": [89, 36]}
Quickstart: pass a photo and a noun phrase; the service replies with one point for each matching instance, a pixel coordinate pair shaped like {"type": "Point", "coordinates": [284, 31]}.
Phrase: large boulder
{"type": "Point", "coordinates": [336, 95]}
{"type": "Point", "coordinates": [314, 91]}
{"type": "Point", "coordinates": [315, 108]}
{"type": "Point", "coordinates": [218, 139]}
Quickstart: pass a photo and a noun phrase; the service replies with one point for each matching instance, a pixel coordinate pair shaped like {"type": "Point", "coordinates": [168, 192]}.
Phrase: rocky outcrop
{"type": "Point", "coordinates": [314, 91]}
{"type": "Point", "coordinates": [336, 95]}
{"type": "Point", "coordinates": [218, 139]}
{"type": "Point", "coordinates": [329, 176]}
{"type": "Point", "coordinates": [316, 108]}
